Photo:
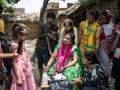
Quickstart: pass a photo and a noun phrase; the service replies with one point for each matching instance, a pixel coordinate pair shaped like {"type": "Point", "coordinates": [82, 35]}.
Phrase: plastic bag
{"type": "Point", "coordinates": [45, 79]}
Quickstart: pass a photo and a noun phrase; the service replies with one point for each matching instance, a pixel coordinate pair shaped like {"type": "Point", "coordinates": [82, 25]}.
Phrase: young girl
{"type": "Point", "coordinates": [93, 78]}
{"type": "Point", "coordinates": [21, 73]}
{"type": "Point", "coordinates": [68, 28]}
{"type": "Point", "coordinates": [116, 59]}
{"type": "Point", "coordinates": [93, 75]}
{"type": "Point", "coordinates": [53, 40]}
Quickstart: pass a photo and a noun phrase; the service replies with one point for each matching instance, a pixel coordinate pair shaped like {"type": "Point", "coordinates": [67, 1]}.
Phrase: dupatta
{"type": "Point", "coordinates": [63, 56]}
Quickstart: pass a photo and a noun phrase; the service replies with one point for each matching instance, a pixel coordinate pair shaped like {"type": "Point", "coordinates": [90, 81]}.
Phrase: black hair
{"type": "Point", "coordinates": [69, 22]}
{"type": "Point", "coordinates": [1, 8]}
{"type": "Point", "coordinates": [17, 29]}
{"type": "Point", "coordinates": [94, 13]}
{"type": "Point", "coordinates": [51, 15]}
{"type": "Point", "coordinates": [72, 37]}
{"type": "Point", "coordinates": [91, 57]}
{"type": "Point", "coordinates": [104, 13]}
{"type": "Point", "coordinates": [117, 20]}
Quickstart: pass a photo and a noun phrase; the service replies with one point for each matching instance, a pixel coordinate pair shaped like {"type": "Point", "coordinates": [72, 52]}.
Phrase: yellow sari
{"type": "Point", "coordinates": [89, 36]}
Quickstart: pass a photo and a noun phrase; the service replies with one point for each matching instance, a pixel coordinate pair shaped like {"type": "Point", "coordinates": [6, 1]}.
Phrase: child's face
{"type": "Point", "coordinates": [86, 61]}
{"type": "Point", "coordinates": [67, 27]}
{"type": "Point", "coordinates": [103, 19]}
{"type": "Point", "coordinates": [91, 19]}
{"type": "Point", "coordinates": [22, 36]}
{"type": "Point", "coordinates": [49, 20]}
{"type": "Point", "coordinates": [54, 32]}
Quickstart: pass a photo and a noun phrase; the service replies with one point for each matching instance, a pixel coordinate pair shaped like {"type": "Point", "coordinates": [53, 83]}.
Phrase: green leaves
{"type": "Point", "coordinates": [9, 9]}
{"type": "Point", "coordinates": [9, 1]}
{"type": "Point", "coordinates": [12, 1]}
{"type": "Point", "coordinates": [2, 1]}
{"type": "Point", "coordinates": [7, 5]}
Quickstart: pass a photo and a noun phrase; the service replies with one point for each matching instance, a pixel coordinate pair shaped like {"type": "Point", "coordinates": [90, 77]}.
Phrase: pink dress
{"type": "Point", "coordinates": [25, 69]}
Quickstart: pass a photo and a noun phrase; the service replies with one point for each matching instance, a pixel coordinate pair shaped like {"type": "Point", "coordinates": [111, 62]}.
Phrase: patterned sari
{"type": "Point", "coordinates": [72, 72]}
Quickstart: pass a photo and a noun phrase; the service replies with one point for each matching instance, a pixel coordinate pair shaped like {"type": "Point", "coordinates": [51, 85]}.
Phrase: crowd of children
{"type": "Point", "coordinates": [88, 50]}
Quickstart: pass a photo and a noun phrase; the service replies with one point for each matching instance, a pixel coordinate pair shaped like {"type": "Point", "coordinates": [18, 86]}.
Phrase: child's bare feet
{"type": "Point", "coordinates": [19, 81]}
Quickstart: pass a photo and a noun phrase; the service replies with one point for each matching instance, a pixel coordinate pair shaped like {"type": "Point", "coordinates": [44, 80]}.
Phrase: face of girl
{"type": "Point", "coordinates": [91, 19]}
{"type": "Point", "coordinates": [49, 20]}
{"type": "Point", "coordinates": [54, 32]}
{"type": "Point", "coordinates": [23, 35]}
{"type": "Point", "coordinates": [103, 19]}
{"type": "Point", "coordinates": [67, 40]}
{"type": "Point", "coordinates": [67, 27]}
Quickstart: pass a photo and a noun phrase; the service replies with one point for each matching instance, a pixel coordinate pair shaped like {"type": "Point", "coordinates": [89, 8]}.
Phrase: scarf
{"type": "Point", "coordinates": [63, 56]}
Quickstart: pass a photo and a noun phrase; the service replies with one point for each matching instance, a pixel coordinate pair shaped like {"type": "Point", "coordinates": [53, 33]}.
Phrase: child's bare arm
{"type": "Point", "coordinates": [7, 55]}
{"type": "Point", "coordinates": [48, 44]}
{"type": "Point", "coordinates": [16, 71]}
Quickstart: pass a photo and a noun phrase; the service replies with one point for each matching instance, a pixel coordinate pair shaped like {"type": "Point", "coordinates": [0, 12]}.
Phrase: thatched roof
{"type": "Point", "coordinates": [76, 12]}
{"type": "Point", "coordinates": [70, 10]}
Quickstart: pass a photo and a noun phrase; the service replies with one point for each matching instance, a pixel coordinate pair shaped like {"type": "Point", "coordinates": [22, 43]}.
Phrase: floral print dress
{"type": "Point", "coordinates": [94, 78]}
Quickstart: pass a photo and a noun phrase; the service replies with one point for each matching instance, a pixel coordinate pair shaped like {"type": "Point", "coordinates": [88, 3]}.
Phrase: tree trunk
{"type": "Point", "coordinates": [42, 12]}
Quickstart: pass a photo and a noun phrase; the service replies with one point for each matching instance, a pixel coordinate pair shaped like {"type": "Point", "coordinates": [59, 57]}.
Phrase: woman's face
{"type": "Point", "coordinates": [67, 39]}
{"type": "Point", "coordinates": [103, 19]}
{"type": "Point", "coordinates": [67, 27]}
